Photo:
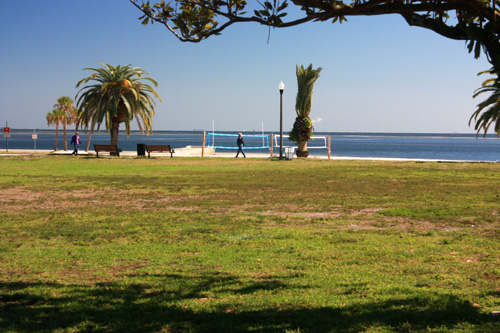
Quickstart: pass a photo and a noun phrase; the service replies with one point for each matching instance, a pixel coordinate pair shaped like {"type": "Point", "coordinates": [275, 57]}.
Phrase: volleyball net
{"type": "Point", "coordinates": [260, 141]}
{"type": "Point", "coordinates": [228, 141]}
{"type": "Point", "coordinates": [316, 142]}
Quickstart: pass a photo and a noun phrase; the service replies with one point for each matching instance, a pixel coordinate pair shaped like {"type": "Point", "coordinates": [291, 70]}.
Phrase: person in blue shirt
{"type": "Point", "coordinates": [75, 141]}
{"type": "Point", "coordinates": [240, 144]}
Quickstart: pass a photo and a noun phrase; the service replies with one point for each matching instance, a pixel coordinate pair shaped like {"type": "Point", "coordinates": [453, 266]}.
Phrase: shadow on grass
{"type": "Point", "coordinates": [135, 308]}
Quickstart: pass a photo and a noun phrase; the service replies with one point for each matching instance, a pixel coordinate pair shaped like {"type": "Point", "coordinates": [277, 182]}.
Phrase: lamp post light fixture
{"type": "Point", "coordinates": [281, 87]}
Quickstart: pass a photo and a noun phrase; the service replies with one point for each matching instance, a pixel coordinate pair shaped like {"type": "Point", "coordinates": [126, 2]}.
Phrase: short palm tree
{"type": "Point", "coordinates": [488, 111]}
{"type": "Point", "coordinates": [303, 127]}
{"type": "Point", "coordinates": [65, 105]}
{"type": "Point", "coordinates": [116, 96]}
{"type": "Point", "coordinates": [55, 118]}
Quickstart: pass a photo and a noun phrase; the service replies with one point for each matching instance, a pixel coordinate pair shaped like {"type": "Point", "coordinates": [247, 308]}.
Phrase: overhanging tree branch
{"type": "Point", "coordinates": [196, 20]}
{"type": "Point", "coordinates": [475, 21]}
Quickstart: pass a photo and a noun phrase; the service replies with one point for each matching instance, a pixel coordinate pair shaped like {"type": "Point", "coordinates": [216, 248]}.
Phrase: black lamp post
{"type": "Point", "coordinates": [281, 87]}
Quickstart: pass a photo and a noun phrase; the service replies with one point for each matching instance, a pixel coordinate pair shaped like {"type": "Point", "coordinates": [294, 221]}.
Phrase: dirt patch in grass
{"type": "Point", "coordinates": [364, 211]}
{"type": "Point", "coordinates": [370, 220]}
{"type": "Point", "coordinates": [331, 213]}
{"type": "Point", "coordinates": [18, 199]}
{"type": "Point", "coordinates": [15, 194]}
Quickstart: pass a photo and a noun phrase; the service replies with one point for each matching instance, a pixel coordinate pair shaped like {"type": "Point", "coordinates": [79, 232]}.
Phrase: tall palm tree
{"type": "Point", "coordinates": [303, 127]}
{"type": "Point", "coordinates": [490, 107]}
{"type": "Point", "coordinates": [55, 118]}
{"type": "Point", "coordinates": [65, 105]}
{"type": "Point", "coordinates": [117, 96]}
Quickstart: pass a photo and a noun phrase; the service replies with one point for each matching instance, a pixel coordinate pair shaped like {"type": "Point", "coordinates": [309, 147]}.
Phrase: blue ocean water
{"type": "Point", "coordinates": [379, 145]}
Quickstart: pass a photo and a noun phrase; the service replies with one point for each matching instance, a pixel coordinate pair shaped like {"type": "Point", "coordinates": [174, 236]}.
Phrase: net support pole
{"type": "Point", "coordinates": [271, 145]}
{"type": "Point", "coordinates": [203, 145]}
{"type": "Point", "coordinates": [329, 146]}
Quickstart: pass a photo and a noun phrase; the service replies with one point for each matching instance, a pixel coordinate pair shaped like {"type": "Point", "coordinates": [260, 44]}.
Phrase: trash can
{"type": "Point", "coordinates": [289, 151]}
{"type": "Point", "coordinates": [141, 150]}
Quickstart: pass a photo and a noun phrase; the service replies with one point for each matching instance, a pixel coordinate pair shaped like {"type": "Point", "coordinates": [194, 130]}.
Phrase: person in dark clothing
{"type": "Point", "coordinates": [240, 144]}
{"type": "Point", "coordinates": [75, 140]}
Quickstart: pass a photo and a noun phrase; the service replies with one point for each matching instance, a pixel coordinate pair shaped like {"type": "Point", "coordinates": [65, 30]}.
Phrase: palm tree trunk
{"type": "Point", "coordinates": [302, 149]}
{"type": "Point", "coordinates": [57, 136]}
{"type": "Point", "coordinates": [114, 131]}
{"type": "Point", "coordinates": [65, 141]}
{"type": "Point", "coordinates": [88, 141]}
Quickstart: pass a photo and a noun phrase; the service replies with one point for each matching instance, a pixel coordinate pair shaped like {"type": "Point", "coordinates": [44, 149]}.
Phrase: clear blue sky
{"type": "Point", "coordinates": [379, 74]}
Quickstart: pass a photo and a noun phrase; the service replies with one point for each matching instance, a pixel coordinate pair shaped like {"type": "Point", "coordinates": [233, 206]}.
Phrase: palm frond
{"type": "Point", "coordinates": [306, 78]}
{"type": "Point", "coordinates": [302, 127]}
{"type": "Point", "coordinates": [488, 111]}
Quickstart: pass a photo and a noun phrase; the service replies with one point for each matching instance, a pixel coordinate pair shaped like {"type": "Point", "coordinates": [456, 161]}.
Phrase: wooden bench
{"type": "Point", "coordinates": [112, 149]}
{"type": "Point", "coordinates": [159, 149]}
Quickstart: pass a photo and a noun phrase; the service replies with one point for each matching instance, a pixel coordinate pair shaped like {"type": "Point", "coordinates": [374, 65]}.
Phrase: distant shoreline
{"type": "Point", "coordinates": [70, 131]}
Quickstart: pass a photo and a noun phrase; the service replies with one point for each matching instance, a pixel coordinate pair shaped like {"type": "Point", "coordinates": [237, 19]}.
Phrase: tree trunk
{"type": "Point", "coordinates": [302, 149]}
{"type": "Point", "coordinates": [57, 136]}
{"type": "Point", "coordinates": [88, 141]}
{"type": "Point", "coordinates": [114, 131]}
{"type": "Point", "coordinates": [64, 130]}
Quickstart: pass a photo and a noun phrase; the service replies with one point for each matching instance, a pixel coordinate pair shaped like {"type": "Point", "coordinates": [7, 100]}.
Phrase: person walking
{"type": "Point", "coordinates": [75, 141]}
{"type": "Point", "coordinates": [240, 144]}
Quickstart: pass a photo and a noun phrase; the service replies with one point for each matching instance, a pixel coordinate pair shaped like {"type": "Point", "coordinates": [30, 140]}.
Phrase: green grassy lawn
{"type": "Point", "coordinates": [227, 245]}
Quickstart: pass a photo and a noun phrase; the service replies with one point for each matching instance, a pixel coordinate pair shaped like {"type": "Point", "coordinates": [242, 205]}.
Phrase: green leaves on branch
{"type": "Point", "coordinates": [339, 18]}
{"type": "Point", "coordinates": [272, 14]}
{"type": "Point", "coordinates": [195, 20]}
{"type": "Point", "coordinates": [190, 20]}
{"type": "Point", "coordinates": [159, 11]}
{"type": "Point", "coordinates": [476, 47]}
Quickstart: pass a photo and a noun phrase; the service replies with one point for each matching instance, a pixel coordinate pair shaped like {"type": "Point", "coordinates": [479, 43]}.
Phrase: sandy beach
{"type": "Point", "coordinates": [196, 152]}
